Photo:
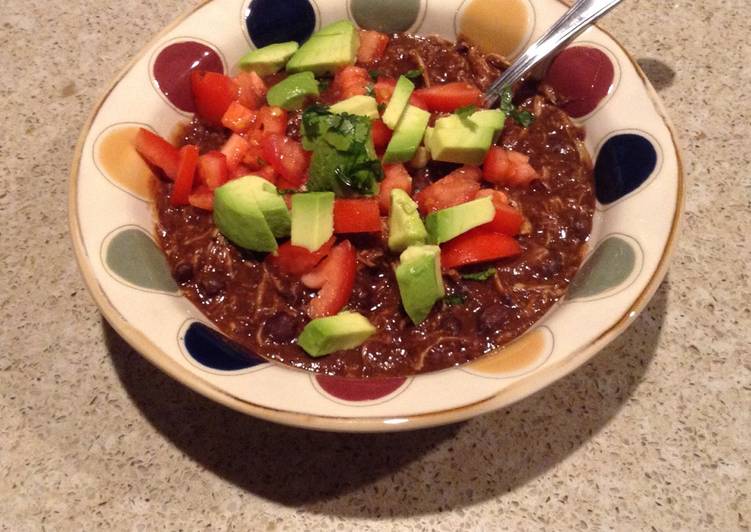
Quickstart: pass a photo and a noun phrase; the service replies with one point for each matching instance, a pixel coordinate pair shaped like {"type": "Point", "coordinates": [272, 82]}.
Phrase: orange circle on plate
{"type": "Point", "coordinates": [119, 160]}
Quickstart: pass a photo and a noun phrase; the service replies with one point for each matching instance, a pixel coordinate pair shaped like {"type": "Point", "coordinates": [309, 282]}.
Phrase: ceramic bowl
{"type": "Point", "coordinates": [638, 186]}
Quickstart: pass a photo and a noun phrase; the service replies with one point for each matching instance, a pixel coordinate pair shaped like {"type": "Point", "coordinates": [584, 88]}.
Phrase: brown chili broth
{"type": "Point", "coordinates": [263, 310]}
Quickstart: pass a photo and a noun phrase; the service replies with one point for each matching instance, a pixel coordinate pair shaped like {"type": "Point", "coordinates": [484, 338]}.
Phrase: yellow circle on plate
{"type": "Point", "coordinates": [119, 160]}
{"type": "Point", "coordinates": [496, 26]}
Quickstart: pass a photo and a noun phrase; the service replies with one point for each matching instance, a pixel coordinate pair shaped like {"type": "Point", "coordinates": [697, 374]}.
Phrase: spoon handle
{"type": "Point", "coordinates": [578, 18]}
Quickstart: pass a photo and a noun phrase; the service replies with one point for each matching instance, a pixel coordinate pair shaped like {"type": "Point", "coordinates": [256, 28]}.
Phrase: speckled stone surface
{"type": "Point", "coordinates": [653, 434]}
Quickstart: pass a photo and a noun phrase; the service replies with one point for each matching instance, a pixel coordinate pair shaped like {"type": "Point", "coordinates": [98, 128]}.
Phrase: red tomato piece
{"type": "Point", "coordinates": [395, 176]}
{"type": "Point", "coordinates": [351, 81]}
{"type": "Point", "coordinates": [157, 152]}
{"type": "Point", "coordinates": [418, 101]}
{"type": "Point", "coordinates": [287, 157]}
{"type": "Point", "coordinates": [498, 198]}
{"type": "Point", "coordinates": [297, 260]}
{"type": "Point", "coordinates": [449, 97]}
{"type": "Point", "coordinates": [384, 89]}
{"type": "Point", "coordinates": [507, 167]}
{"type": "Point", "coordinates": [477, 245]}
{"type": "Point", "coordinates": [372, 46]}
{"type": "Point", "coordinates": [202, 198]}
{"type": "Point", "coordinates": [212, 169]}
{"type": "Point", "coordinates": [507, 220]}
{"type": "Point", "coordinates": [268, 173]}
{"type": "Point", "coordinates": [460, 186]}
{"type": "Point", "coordinates": [357, 216]}
{"type": "Point", "coordinates": [234, 150]}
{"type": "Point", "coordinates": [213, 93]}
{"type": "Point", "coordinates": [238, 118]}
{"type": "Point", "coordinates": [381, 135]}
{"type": "Point", "coordinates": [251, 89]}
{"type": "Point", "coordinates": [186, 171]}
{"type": "Point", "coordinates": [335, 278]}
{"type": "Point", "coordinates": [272, 120]}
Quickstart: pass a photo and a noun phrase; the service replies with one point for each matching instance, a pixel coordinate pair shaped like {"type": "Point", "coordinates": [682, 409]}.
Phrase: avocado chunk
{"type": "Point", "coordinates": [345, 330]}
{"type": "Point", "coordinates": [490, 118]}
{"type": "Point", "coordinates": [420, 282]}
{"type": "Point", "coordinates": [407, 135]}
{"type": "Point", "coordinates": [449, 223]}
{"type": "Point", "coordinates": [399, 101]}
{"type": "Point", "coordinates": [405, 226]}
{"type": "Point", "coordinates": [239, 217]}
{"type": "Point", "coordinates": [269, 59]}
{"type": "Point", "coordinates": [465, 144]}
{"type": "Point", "coordinates": [272, 205]}
{"type": "Point", "coordinates": [312, 219]}
{"type": "Point", "coordinates": [327, 50]}
{"type": "Point", "coordinates": [290, 93]}
{"type": "Point", "coordinates": [357, 105]}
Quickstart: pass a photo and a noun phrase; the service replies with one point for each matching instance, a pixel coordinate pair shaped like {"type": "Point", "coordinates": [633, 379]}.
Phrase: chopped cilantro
{"type": "Point", "coordinates": [369, 90]}
{"type": "Point", "coordinates": [523, 118]}
{"type": "Point", "coordinates": [466, 111]}
{"type": "Point", "coordinates": [455, 299]}
{"type": "Point", "coordinates": [480, 276]}
{"type": "Point", "coordinates": [374, 74]}
{"type": "Point", "coordinates": [344, 160]}
{"type": "Point", "coordinates": [381, 107]}
{"type": "Point", "coordinates": [412, 74]}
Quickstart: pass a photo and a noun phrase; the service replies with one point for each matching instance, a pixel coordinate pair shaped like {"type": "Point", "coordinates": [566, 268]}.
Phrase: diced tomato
{"type": "Point", "coordinates": [268, 173]}
{"type": "Point", "coordinates": [234, 150]}
{"type": "Point", "coordinates": [186, 171]}
{"type": "Point", "coordinates": [507, 167]}
{"type": "Point", "coordinates": [202, 198]}
{"type": "Point", "coordinates": [460, 186]}
{"type": "Point", "coordinates": [288, 159]}
{"type": "Point", "coordinates": [381, 135]}
{"type": "Point", "coordinates": [395, 176]}
{"type": "Point", "coordinates": [297, 260]}
{"type": "Point", "coordinates": [384, 89]}
{"type": "Point", "coordinates": [335, 277]}
{"type": "Point", "coordinates": [212, 169]}
{"type": "Point", "coordinates": [351, 81]}
{"type": "Point", "coordinates": [449, 97]}
{"type": "Point", "coordinates": [212, 93]}
{"type": "Point", "coordinates": [271, 120]}
{"type": "Point", "coordinates": [499, 198]}
{"type": "Point", "coordinates": [253, 158]}
{"type": "Point", "coordinates": [418, 101]}
{"type": "Point", "coordinates": [477, 245]}
{"type": "Point", "coordinates": [157, 152]}
{"type": "Point", "coordinates": [507, 220]}
{"type": "Point", "coordinates": [240, 171]}
{"type": "Point", "coordinates": [238, 118]}
{"type": "Point", "coordinates": [251, 90]}
{"type": "Point", "coordinates": [357, 216]}
{"type": "Point", "coordinates": [372, 46]}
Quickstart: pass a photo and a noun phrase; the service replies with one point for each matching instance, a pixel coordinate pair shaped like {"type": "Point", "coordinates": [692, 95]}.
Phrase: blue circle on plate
{"type": "Point", "coordinates": [624, 163]}
{"type": "Point", "coordinates": [214, 350]}
{"type": "Point", "coordinates": [274, 21]}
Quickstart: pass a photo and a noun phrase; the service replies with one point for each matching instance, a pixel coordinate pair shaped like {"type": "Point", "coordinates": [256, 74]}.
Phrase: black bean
{"type": "Point", "coordinates": [550, 265]}
{"type": "Point", "coordinates": [537, 185]}
{"type": "Point", "coordinates": [492, 318]}
{"type": "Point", "coordinates": [451, 325]}
{"type": "Point", "coordinates": [211, 286]}
{"type": "Point", "coordinates": [183, 272]}
{"type": "Point", "coordinates": [580, 227]}
{"type": "Point", "coordinates": [281, 328]}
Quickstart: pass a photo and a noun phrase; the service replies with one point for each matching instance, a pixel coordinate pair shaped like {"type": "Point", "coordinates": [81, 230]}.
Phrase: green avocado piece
{"type": "Point", "coordinates": [464, 144]}
{"type": "Point", "coordinates": [238, 216]}
{"type": "Point", "coordinates": [420, 282]}
{"type": "Point", "coordinates": [291, 92]}
{"type": "Point", "coordinates": [405, 226]}
{"type": "Point", "coordinates": [269, 59]}
{"type": "Point", "coordinates": [407, 135]}
{"type": "Point", "coordinates": [327, 50]}
{"type": "Point", "coordinates": [398, 102]}
{"type": "Point", "coordinates": [490, 118]}
{"type": "Point", "coordinates": [449, 223]}
{"type": "Point", "coordinates": [357, 105]}
{"type": "Point", "coordinates": [312, 219]}
{"type": "Point", "coordinates": [345, 330]}
{"type": "Point", "coordinates": [272, 205]}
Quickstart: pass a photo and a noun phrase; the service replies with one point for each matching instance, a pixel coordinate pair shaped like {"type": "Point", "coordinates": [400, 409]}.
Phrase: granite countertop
{"type": "Point", "coordinates": [653, 434]}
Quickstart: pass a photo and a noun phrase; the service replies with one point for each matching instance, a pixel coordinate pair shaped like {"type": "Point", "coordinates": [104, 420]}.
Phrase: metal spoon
{"type": "Point", "coordinates": [578, 18]}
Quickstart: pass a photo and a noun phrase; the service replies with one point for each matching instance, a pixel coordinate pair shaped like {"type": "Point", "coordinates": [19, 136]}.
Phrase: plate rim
{"type": "Point", "coordinates": [517, 391]}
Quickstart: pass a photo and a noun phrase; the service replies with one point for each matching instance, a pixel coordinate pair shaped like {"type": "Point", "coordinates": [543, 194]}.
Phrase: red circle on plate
{"type": "Point", "coordinates": [173, 66]}
{"type": "Point", "coordinates": [582, 76]}
{"type": "Point", "coordinates": [359, 389]}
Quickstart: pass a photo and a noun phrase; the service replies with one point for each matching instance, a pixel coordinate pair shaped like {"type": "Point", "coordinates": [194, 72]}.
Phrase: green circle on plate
{"type": "Point", "coordinates": [389, 16]}
{"type": "Point", "coordinates": [133, 255]}
{"type": "Point", "coordinates": [610, 265]}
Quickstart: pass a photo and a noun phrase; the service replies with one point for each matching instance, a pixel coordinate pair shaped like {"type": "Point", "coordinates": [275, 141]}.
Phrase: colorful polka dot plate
{"type": "Point", "coordinates": [639, 189]}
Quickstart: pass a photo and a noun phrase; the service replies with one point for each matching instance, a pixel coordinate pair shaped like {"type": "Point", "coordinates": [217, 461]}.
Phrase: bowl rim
{"type": "Point", "coordinates": [517, 391]}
